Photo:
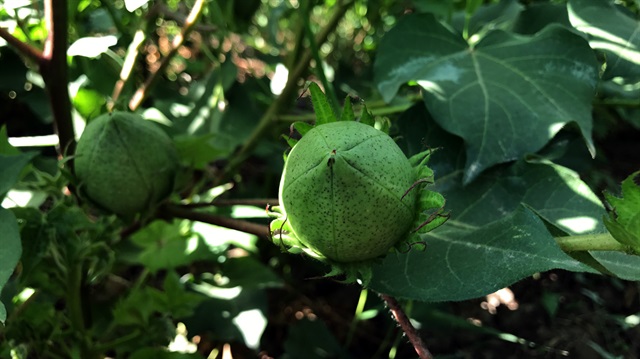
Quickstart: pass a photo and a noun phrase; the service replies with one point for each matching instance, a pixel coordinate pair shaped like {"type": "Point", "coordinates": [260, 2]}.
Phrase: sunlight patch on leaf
{"type": "Point", "coordinates": [611, 30]}
{"type": "Point", "coordinates": [251, 324]}
{"type": "Point", "coordinates": [582, 224]}
{"type": "Point", "coordinates": [92, 46]}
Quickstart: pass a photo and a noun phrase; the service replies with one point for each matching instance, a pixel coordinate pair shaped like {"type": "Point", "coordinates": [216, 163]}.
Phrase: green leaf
{"type": "Point", "coordinates": [12, 162]}
{"type": "Point", "coordinates": [198, 151]}
{"type": "Point", "coordinates": [462, 262]}
{"type": "Point", "coordinates": [624, 221]}
{"type": "Point", "coordinates": [11, 250]}
{"type": "Point", "coordinates": [176, 299]}
{"type": "Point", "coordinates": [490, 16]}
{"type": "Point", "coordinates": [247, 272]}
{"type": "Point", "coordinates": [5, 146]}
{"type": "Point", "coordinates": [302, 127]}
{"type": "Point", "coordinates": [366, 117]}
{"type": "Point", "coordinates": [478, 211]}
{"type": "Point", "coordinates": [312, 340]}
{"type": "Point", "coordinates": [89, 102]}
{"type": "Point", "coordinates": [621, 264]}
{"type": "Point", "coordinates": [611, 30]}
{"type": "Point", "coordinates": [347, 111]}
{"type": "Point", "coordinates": [322, 107]}
{"type": "Point", "coordinates": [167, 245]}
{"type": "Point", "coordinates": [506, 96]}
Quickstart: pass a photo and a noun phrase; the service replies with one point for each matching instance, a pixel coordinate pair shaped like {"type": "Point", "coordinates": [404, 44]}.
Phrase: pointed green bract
{"type": "Point", "coordinates": [347, 111]}
{"type": "Point", "coordinates": [322, 108]}
{"type": "Point", "coordinates": [366, 117]}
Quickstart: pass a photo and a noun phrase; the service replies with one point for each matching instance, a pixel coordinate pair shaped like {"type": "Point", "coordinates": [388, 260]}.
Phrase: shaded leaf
{"type": "Point", "coordinates": [491, 207]}
{"type": "Point", "coordinates": [167, 245]}
{"type": "Point", "coordinates": [551, 81]}
{"type": "Point", "coordinates": [198, 151]}
{"type": "Point", "coordinates": [622, 265]}
{"type": "Point", "coordinates": [493, 16]}
{"type": "Point", "coordinates": [312, 340]}
{"type": "Point", "coordinates": [463, 262]}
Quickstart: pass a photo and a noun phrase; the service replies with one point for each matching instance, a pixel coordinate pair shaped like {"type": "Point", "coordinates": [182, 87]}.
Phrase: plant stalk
{"type": "Point", "coordinates": [259, 230]}
{"type": "Point", "coordinates": [54, 71]}
{"type": "Point", "coordinates": [590, 242]}
{"type": "Point", "coordinates": [408, 328]}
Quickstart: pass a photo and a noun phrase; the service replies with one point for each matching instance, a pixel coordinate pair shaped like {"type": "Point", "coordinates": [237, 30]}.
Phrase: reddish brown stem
{"type": "Point", "coordinates": [258, 202]}
{"type": "Point", "coordinates": [53, 68]}
{"type": "Point", "coordinates": [52, 62]}
{"type": "Point", "coordinates": [232, 223]}
{"type": "Point", "coordinates": [408, 328]}
{"type": "Point", "coordinates": [24, 48]}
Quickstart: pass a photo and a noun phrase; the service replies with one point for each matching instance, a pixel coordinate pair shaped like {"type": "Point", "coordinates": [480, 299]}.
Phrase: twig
{"type": "Point", "coordinates": [22, 47]}
{"type": "Point", "coordinates": [52, 62]}
{"type": "Point", "coordinates": [191, 20]}
{"type": "Point", "coordinates": [237, 224]}
{"type": "Point", "coordinates": [258, 202]}
{"type": "Point", "coordinates": [127, 67]}
{"type": "Point", "coordinates": [53, 68]}
{"type": "Point", "coordinates": [407, 327]}
{"type": "Point", "coordinates": [284, 98]}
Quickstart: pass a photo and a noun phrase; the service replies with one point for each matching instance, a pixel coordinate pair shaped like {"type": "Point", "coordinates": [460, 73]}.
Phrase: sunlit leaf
{"type": "Point", "coordinates": [612, 30]}
{"type": "Point", "coordinates": [506, 96]}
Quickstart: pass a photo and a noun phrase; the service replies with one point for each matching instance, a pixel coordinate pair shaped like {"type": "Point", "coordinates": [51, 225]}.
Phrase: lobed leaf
{"type": "Point", "coordinates": [506, 96]}
{"type": "Point", "coordinates": [462, 262]}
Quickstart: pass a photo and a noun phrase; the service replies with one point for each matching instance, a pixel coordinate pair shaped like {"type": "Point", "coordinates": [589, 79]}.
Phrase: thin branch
{"type": "Point", "coordinates": [259, 230]}
{"type": "Point", "coordinates": [284, 98]}
{"type": "Point", "coordinates": [53, 68]}
{"type": "Point", "coordinates": [258, 202]}
{"type": "Point", "coordinates": [407, 327]}
{"type": "Point", "coordinates": [22, 47]}
{"type": "Point", "coordinates": [127, 67]}
{"type": "Point", "coordinates": [142, 93]}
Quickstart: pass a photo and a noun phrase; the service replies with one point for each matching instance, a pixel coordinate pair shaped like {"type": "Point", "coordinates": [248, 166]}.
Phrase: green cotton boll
{"type": "Point", "coordinates": [125, 164]}
{"type": "Point", "coordinates": [342, 191]}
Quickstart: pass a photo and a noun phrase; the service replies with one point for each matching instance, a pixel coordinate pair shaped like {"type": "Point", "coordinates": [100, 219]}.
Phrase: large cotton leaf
{"type": "Point", "coordinates": [491, 240]}
{"type": "Point", "coordinates": [462, 262]}
{"type": "Point", "coordinates": [612, 30]}
{"type": "Point", "coordinates": [506, 96]}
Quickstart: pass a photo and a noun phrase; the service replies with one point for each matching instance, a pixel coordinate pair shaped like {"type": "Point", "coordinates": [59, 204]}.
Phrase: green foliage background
{"type": "Point", "coordinates": [533, 107]}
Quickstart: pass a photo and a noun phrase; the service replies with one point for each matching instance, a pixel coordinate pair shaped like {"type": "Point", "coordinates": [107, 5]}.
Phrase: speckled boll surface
{"type": "Point", "coordinates": [125, 164]}
{"type": "Point", "coordinates": [342, 190]}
